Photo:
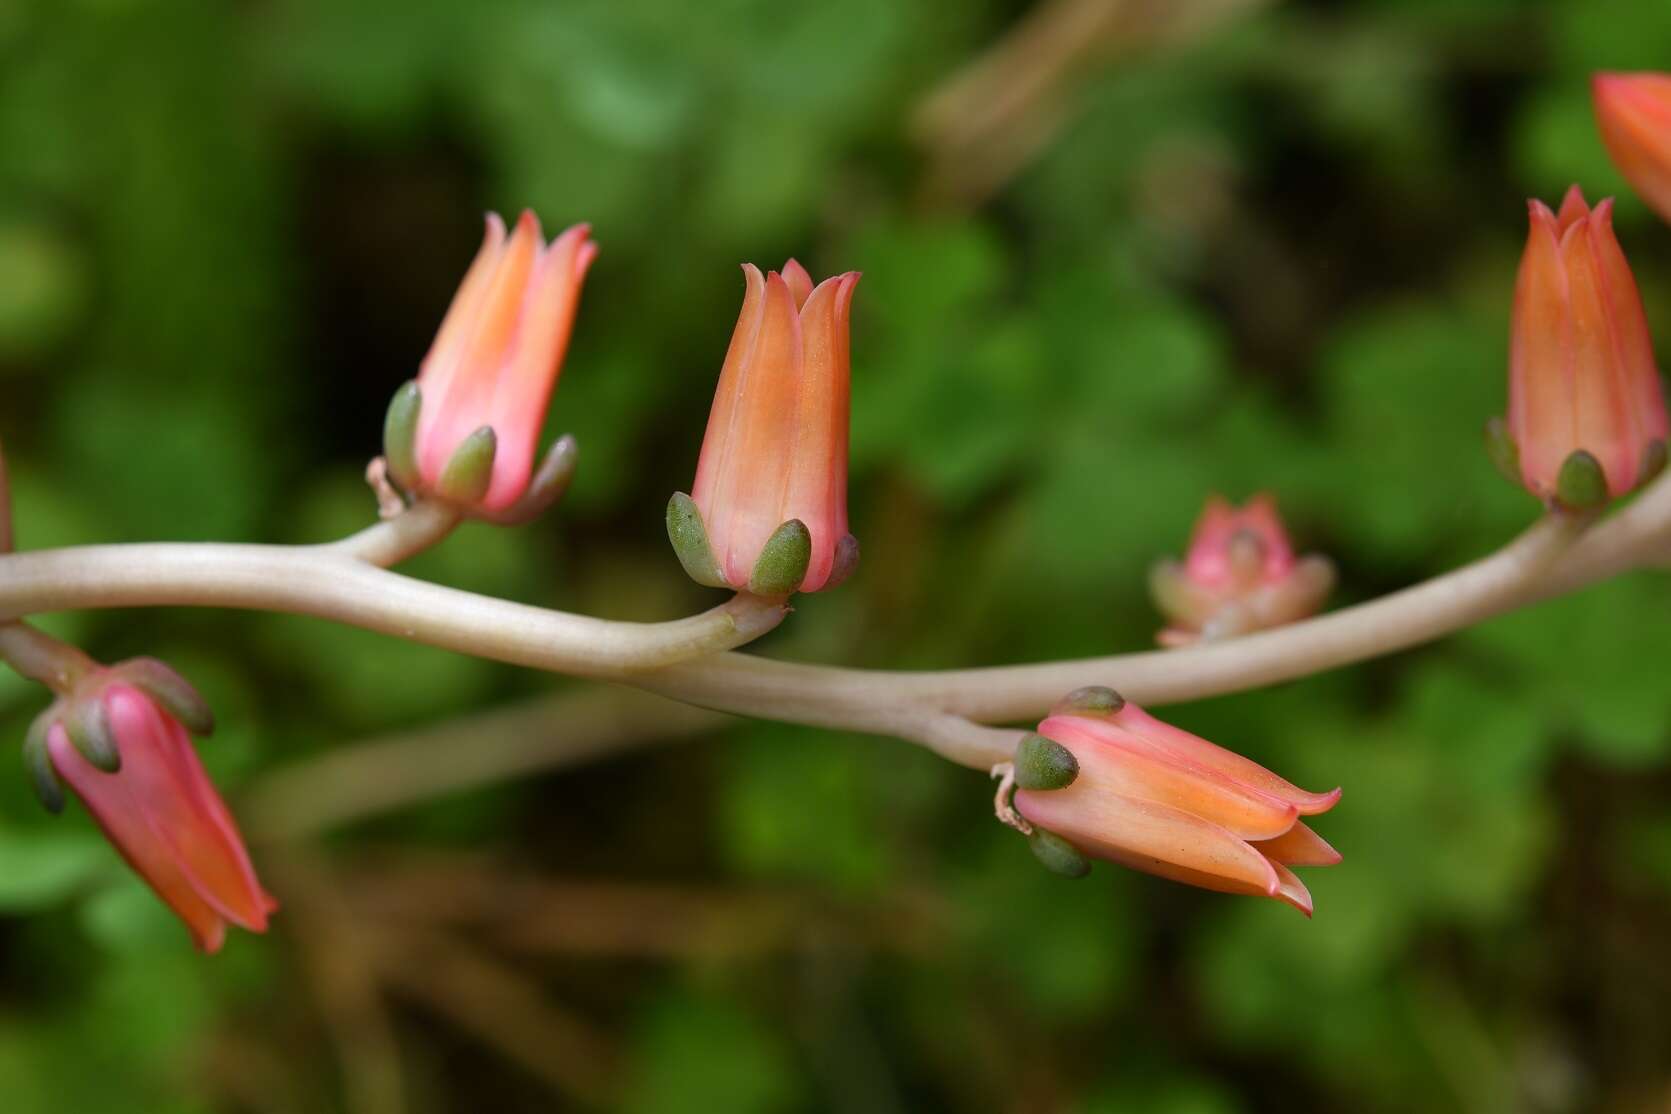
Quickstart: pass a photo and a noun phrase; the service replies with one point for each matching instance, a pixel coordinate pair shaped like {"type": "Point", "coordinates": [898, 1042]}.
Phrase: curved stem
{"type": "Point", "coordinates": [934, 708]}
{"type": "Point", "coordinates": [330, 584]}
{"type": "Point", "coordinates": [393, 540]}
{"type": "Point", "coordinates": [42, 658]}
{"type": "Point", "coordinates": [1550, 558]}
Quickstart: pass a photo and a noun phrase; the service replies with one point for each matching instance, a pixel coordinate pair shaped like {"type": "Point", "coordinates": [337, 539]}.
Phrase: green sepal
{"type": "Point", "coordinates": [173, 692]}
{"type": "Point", "coordinates": [43, 779]}
{"type": "Point", "coordinates": [1058, 855]}
{"type": "Point", "coordinates": [689, 536]}
{"type": "Point", "coordinates": [1092, 700]}
{"type": "Point", "coordinates": [469, 472]}
{"type": "Point", "coordinates": [1502, 450]}
{"type": "Point", "coordinates": [1581, 484]}
{"type": "Point", "coordinates": [1653, 462]}
{"type": "Point", "coordinates": [846, 560]}
{"type": "Point", "coordinates": [782, 563]}
{"type": "Point", "coordinates": [549, 484]}
{"type": "Point", "coordinates": [1042, 763]}
{"type": "Point", "coordinates": [400, 435]}
{"type": "Point", "coordinates": [88, 725]}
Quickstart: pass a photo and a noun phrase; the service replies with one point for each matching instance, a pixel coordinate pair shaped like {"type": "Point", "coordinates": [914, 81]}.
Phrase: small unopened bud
{"type": "Point", "coordinates": [1240, 575]}
{"type": "Point", "coordinates": [1042, 763]}
{"type": "Point", "coordinates": [1057, 854]}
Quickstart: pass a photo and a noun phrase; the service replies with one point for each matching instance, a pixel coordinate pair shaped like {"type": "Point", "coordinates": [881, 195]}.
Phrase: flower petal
{"type": "Point", "coordinates": [1298, 846]}
{"type": "Point", "coordinates": [1151, 837]}
{"type": "Point", "coordinates": [1193, 748]}
{"type": "Point", "coordinates": [1115, 761]}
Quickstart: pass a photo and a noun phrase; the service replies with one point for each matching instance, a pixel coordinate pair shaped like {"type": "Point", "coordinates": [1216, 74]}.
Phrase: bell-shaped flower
{"type": "Point", "coordinates": [1240, 575]}
{"type": "Point", "coordinates": [1104, 779]}
{"type": "Point", "coordinates": [1586, 416]}
{"type": "Point", "coordinates": [119, 743]}
{"type": "Point", "coordinates": [1634, 112]}
{"type": "Point", "coordinates": [768, 510]}
{"type": "Point", "coordinates": [466, 430]}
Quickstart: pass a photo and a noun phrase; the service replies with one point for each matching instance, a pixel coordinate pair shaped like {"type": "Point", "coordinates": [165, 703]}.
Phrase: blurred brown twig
{"type": "Point", "coordinates": [987, 121]}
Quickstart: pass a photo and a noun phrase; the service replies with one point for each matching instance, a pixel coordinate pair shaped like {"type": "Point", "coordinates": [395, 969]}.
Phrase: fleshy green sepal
{"type": "Point", "coordinates": [1058, 855]}
{"type": "Point", "coordinates": [1581, 484]}
{"type": "Point", "coordinates": [170, 690]}
{"type": "Point", "coordinates": [1042, 763]}
{"type": "Point", "coordinates": [43, 779]}
{"type": "Point", "coordinates": [1092, 700]}
{"type": "Point", "coordinates": [1504, 453]}
{"type": "Point", "coordinates": [783, 561]}
{"type": "Point", "coordinates": [689, 536]}
{"type": "Point", "coordinates": [469, 472]}
{"type": "Point", "coordinates": [400, 435]}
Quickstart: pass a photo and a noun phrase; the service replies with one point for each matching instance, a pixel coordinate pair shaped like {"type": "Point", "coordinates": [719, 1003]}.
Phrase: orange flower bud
{"type": "Point", "coordinates": [1240, 575]}
{"type": "Point", "coordinates": [466, 431]}
{"type": "Point", "coordinates": [1586, 415]}
{"type": "Point", "coordinates": [120, 747]}
{"type": "Point", "coordinates": [768, 509]}
{"type": "Point", "coordinates": [1634, 113]}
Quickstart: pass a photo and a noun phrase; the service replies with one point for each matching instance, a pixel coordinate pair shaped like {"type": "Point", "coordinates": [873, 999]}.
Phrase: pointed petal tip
{"type": "Point", "coordinates": [1291, 891]}
{"type": "Point", "coordinates": [1318, 803]}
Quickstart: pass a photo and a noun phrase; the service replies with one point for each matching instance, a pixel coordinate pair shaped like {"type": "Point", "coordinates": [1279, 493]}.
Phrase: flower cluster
{"type": "Point", "coordinates": [766, 515]}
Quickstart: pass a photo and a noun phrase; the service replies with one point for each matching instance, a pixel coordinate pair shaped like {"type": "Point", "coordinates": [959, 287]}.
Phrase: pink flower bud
{"type": "Point", "coordinates": [493, 367]}
{"type": "Point", "coordinates": [776, 446]}
{"type": "Point", "coordinates": [1157, 799]}
{"type": "Point", "coordinates": [1582, 378]}
{"type": "Point", "coordinates": [162, 813]}
{"type": "Point", "coordinates": [1634, 112]}
{"type": "Point", "coordinates": [1240, 575]}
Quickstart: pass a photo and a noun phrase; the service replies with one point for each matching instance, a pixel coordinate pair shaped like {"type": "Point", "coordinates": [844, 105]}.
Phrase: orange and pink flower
{"type": "Point", "coordinates": [1240, 575]}
{"type": "Point", "coordinates": [771, 481]}
{"type": "Point", "coordinates": [1634, 113]}
{"type": "Point", "coordinates": [1586, 415]}
{"type": "Point", "coordinates": [1158, 799]}
{"type": "Point", "coordinates": [466, 432]}
{"type": "Point", "coordinates": [160, 810]}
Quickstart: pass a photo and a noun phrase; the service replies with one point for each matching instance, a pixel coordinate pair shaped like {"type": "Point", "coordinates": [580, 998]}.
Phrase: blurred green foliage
{"type": "Point", "coordinates": [1277, 256]}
